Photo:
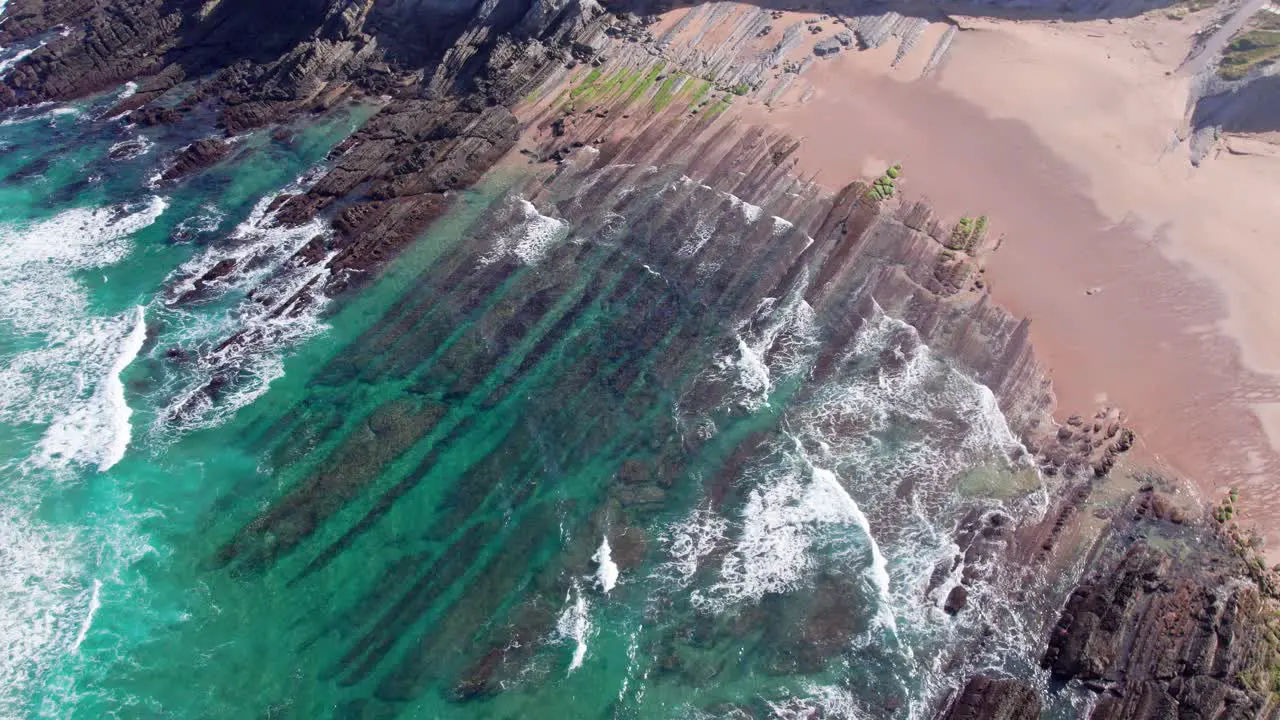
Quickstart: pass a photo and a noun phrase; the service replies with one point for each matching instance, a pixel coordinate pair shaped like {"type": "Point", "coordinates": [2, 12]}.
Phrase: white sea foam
{"type": "Point", "coordinates": [827, 701]}
{"type": "Point", "coordinates": [750, 212]}
{"type": "Point", "coordinates": [691, 541]}
{"type": "Point", "coordinates": [8, 63]}
{"type": "Point", "coordinates": [796, 507]}
{"type": "Point", "coordinates": [777, 340]}
{"type": "Point", "coordinates": [128, 90]}
{"type": "Point", "coordinates": [71, 381]}
{"type": "Point", "coordinates": [878, 569]}
{"type": "Point", "coordinates": [64, 375]}
{"type": "Point", "coordinates": [574, 625]}
{"type": "Point", "coordinates": [606, 569]}
{"type": "Point", "coordinates": [698, 238]}
{"type": "Point", "coordinates": [135, 146]}
{"type": "Point", "coordinates": [862, 485]}
{"type": "Point", "coordinates": [95, 602]}
{"type": "Point", "coordinates": [54, 581]}
{"type": "Point", "coordinates": [38, 586]}
{"type": "Point", "coordinates": [206, 221]}
{"type": "Point", "coordinates": [97, 430]}
{"type": "Point", "coordinates": [28, 114]}
{"type": "Point", "coordinates": [263, 255]}
{"type": "Point", "coordinates": [530, 238]}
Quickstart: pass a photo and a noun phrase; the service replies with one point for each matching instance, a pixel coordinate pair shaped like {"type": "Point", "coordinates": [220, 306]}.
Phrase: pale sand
{"type": "Point", "coordinates": [1065, 134]}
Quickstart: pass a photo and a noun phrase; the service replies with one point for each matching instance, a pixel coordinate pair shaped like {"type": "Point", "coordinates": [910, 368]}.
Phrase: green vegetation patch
{"type": "Point", "coordinates": [597, 86]}
{"type": "Point", "coordinates": [642, 88]}
{"type": "Point", "coordinates": [885, 185]}
{"type": "Point", "coordinates": [967, 234]}
{"type": "Point", "coordinates": [668, 89]}
{"type": "Point", "coordinates": [1249, 50]}
{"type": "Point", "coordinates": [719, 107]}
{"type": "Point", "coordinates": [699, 94]}
{"type": "Point", "coordinates": [588, 86]}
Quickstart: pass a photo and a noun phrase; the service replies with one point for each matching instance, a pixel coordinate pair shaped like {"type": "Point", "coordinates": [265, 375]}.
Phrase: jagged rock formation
{"type": "Point", "coordinates": [1158, 637]}
{"type": "Point", "coordinates": [1169, 624]}
{"type": "Point", "coordinates": [196, 156]}
{"type": "Point", "coordinates": [409, 155]}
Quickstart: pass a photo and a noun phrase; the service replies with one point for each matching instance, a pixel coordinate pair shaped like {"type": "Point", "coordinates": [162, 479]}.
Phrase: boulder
{"type": "Point", "coordinates": [830, 46]}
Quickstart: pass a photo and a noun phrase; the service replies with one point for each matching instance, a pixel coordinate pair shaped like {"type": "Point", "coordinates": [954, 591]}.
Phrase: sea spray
{"type": "Point", "coordinates": [98, 430]}
{"type": "Point", "coordinates": [606, 569]}
{"type": "Point", "coordinates": [71, 381]}
{"type": "Point", "coordinates": [574, 625]}
{"type": "Point", "coordinates": [261, 253]}
{"type": "Point", "coordinates": [529, 237]}
{"type": "Point", "coordinates": [95, 602]}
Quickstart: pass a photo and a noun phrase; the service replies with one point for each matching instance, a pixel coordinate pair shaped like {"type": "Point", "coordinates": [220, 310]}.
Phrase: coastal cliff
{"type": "Point", "coordinates": [636, 150]}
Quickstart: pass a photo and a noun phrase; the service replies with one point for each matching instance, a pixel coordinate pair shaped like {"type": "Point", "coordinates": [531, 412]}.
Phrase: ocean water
{"type": "Point", "coordinates": [529, 470]}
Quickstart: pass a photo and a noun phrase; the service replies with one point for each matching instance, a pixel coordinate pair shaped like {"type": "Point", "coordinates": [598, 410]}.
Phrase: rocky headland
{"type": "Point", "coordinates": [1173, 614]}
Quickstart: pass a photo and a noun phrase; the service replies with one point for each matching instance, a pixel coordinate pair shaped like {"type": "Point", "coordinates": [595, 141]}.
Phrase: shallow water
{"type": "Point", "coordinates": [528, 471]}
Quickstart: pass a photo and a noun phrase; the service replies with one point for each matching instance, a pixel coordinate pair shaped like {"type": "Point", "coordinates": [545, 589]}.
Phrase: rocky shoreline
{"type": "Point", "coordinates": [1174, 615]}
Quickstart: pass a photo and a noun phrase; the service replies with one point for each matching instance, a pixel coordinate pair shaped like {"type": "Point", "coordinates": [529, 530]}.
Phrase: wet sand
{"type": "Point", "coordinates": [1150, 283]}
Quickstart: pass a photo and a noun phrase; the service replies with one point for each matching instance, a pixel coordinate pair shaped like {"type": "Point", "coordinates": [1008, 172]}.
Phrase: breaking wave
{"type": "Point", "coordinates": [61, 379]}
{"type": "Point", "coordinates": [531, 235]}
{"type": "Point", "coordinates": [606, 569]}
{"type": "Point", "coordinates": [574, 625]}
{"type": "Point", "coordinates": [98, 430]}
{"type": "Point", "coordinates": [861, 483]}
{"type": "Point", "coordinates": [70, 379]}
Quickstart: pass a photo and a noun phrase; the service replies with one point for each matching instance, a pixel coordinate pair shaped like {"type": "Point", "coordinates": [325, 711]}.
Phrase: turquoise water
{"type": "Point", "coordinates": [524, 472]}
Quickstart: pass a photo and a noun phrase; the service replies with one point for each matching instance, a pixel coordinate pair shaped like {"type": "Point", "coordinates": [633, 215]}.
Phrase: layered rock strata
{"type": "Point", "coordinates": [1153, 631]}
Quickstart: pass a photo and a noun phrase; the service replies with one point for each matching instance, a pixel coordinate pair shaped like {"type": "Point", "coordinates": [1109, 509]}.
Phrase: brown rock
{"type": "Point", "coordinates": [985, 698]}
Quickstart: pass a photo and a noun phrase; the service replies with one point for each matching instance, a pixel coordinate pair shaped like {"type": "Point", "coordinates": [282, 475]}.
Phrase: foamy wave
{"type": "Point", "coordinates": [72, 380]}
{"type": "Point", "coordinates": [531, 237]}
{"type": "Point", "coordinates": [606, 569]}
{"type": "Point", "coordinates": [8, 63]}
{"type": "Point", "coordinates": [95, 602]}
{"type": "Point", "coordinates": [38, 586]}
{"type": "Point", "coordinates": [878, 569]}
{"type": "Point", "coordinates": [691, 541]}
{"type": "Point", "coordinates": [26, 115]}
{"type": "Point", "coordinates": [574, 625]}
{"type": "Point", "coordinates": [783, 520]}
{"type": "Point", "coordinates": [860, 484]}
{"type": "Point", "coordinates": [777, 341]}
{"type": "Point", "coordinates": [258, 247]}
{"type": "Point", "coordinates": [204, 222]}
{"type": "Point", "coordinates": [97, 431]}
{"type": "Point", "coordinates": [55, 582]}
{"type": "Point", "coordinates": [136, 146]}
{"type": "Point", "coordinates": [827, 701]}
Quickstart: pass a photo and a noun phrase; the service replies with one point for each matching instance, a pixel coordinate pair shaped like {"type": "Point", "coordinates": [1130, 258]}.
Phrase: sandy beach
{"type": "Point", "coordinates": [1149, 281]}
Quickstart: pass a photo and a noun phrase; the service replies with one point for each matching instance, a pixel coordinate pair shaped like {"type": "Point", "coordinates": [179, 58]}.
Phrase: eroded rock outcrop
{"type": "Point", "coordinates": [986, 698]}
{"type": "Point", "coordinates": [1163, 634]}
{"type": "Point", "coordinates": [196, 156]}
